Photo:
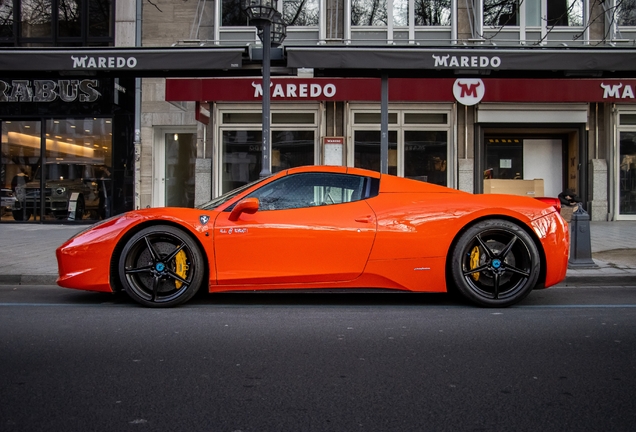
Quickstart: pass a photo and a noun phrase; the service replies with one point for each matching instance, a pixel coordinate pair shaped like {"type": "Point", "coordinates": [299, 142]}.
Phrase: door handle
{"type": "Point", "coordinates": [364, 219]}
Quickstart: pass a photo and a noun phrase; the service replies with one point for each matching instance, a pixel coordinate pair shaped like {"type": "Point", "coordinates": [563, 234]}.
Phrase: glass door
{"type": "Point", "coordinates": [175, 169]}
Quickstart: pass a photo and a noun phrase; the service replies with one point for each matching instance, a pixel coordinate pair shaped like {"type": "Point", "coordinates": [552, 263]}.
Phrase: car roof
{"type": "Point", "coordinates": [388, 184]}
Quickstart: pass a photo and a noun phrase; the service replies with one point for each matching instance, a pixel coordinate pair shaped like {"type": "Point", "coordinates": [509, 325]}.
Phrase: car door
{"type": "Point", "coordinates": [310, 227]}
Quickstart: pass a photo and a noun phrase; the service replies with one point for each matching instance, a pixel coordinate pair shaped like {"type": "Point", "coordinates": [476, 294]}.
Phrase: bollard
{"type": "Point", "coordinates": [580, 241]}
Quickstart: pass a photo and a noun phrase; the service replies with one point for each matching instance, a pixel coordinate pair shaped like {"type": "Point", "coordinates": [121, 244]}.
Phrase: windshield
{"type": "Point", "coordinates": [216, 202]}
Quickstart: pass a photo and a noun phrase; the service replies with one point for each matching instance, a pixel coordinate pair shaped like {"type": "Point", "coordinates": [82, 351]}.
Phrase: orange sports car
{"type": "Point", "coordinates": [326, 227]}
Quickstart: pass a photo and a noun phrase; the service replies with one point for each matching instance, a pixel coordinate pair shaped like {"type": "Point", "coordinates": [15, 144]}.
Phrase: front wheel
{"type": "Point", "coordinates": [161, 266]}
{"type": "Point", "coordinates": [495, 263]}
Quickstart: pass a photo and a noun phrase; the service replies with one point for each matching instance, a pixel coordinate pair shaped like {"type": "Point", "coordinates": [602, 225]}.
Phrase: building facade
{"type": "Point", "coordinates": [66, 142]}
{"type": "Point", "coordinates": [478, 91]}
{"type": "Point", "coordinates": [482, 96]}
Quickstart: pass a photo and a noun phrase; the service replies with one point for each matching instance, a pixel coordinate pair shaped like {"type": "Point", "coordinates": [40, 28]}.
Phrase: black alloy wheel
{"type": "Point", "coordinates": [161, 266]}
{"type": "Point", "coordinates": [495, 263]}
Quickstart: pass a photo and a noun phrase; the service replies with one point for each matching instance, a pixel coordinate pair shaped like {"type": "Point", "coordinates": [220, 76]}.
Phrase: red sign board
{"type": "Point", "coordinates": [468, 91]}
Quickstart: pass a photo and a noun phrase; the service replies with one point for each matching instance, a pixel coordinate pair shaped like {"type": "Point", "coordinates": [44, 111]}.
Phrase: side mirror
{"type": "Point", "coordinates": [248, 205]}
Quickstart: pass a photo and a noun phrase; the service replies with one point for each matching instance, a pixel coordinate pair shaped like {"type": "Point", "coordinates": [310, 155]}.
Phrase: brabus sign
{"type": "Point", "coordinates": [49, 90]}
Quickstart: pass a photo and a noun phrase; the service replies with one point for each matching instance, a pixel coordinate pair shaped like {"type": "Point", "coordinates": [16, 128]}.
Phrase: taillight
{"type": "Point", "coordinates": [554, 202]}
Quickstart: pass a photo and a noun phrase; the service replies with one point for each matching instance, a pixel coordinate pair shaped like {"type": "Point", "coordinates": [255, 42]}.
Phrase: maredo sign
{"type": "Point", "coordinates": [467, 91]}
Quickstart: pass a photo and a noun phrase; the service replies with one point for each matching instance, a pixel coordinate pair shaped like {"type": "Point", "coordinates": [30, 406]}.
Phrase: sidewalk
{"type": "Point", "coordinates": [27, 255]}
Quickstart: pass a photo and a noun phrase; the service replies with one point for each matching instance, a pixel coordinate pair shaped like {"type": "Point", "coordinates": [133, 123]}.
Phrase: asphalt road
{"type": "Point", "coordinates": [563, 360]}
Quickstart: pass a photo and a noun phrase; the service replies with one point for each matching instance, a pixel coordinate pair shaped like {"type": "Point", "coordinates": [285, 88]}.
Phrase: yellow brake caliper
{"type": "Point", "coordinates": [474, 262]}
{"type": "Point", "coordinates": [181, 267]}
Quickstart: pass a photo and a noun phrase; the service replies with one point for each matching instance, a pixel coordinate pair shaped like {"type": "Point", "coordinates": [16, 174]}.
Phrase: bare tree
{"type": "Point", "coordinates": [301, 12]}
{"type": "Point", "coordinates": [432, 12]}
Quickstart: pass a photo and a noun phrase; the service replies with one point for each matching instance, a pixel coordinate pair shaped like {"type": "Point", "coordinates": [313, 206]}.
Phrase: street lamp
{"type": "Point", "coordinates": [271, 30]}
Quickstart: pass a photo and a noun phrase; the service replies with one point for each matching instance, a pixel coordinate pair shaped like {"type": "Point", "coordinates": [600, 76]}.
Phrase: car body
{"type": "Point", "coordinates": [71, 187]}
{"type": "Point", "coordinates": [326, 227]}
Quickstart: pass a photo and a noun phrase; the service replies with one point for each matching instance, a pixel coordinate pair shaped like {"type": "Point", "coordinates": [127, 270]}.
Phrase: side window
{"type": "Point", "coordinates": [311, 189]}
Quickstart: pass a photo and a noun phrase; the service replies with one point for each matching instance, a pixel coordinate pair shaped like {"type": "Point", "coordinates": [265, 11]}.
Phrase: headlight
{"type": "Point", "coordinates": [60, 191]}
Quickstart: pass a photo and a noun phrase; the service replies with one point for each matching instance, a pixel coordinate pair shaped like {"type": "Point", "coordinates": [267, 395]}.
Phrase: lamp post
{"type": "Point", "coordinates": [271, 31]}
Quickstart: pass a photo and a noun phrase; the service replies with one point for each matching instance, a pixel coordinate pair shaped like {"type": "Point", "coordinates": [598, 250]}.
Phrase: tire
{"type": "Point", "coordinates": [161, 266]}
{"type": "Point", "coordinates": [495, 263]}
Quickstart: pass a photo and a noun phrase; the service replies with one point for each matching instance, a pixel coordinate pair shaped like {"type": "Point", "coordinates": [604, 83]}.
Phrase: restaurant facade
{"type": "Point", "coordinates": [471, 104]}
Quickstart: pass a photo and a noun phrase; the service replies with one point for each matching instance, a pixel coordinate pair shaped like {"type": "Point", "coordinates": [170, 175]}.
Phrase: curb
{"type": "Point", "coordinates": [610, 280]}
{"type": "Point", "coordinates": [46, 279]}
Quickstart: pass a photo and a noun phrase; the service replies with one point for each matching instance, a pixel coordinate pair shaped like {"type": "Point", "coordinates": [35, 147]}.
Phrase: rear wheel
{"type": "Point", "coordinates": [161, 266]}
{"type": "Point", "coordinates": [495, 263]}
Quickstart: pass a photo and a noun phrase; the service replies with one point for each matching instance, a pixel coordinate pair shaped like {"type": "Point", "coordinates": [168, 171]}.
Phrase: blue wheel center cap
{"type": "Point", "coordinates": [496, 263]}
{"type": "Point", "coordinates": [160, 267]}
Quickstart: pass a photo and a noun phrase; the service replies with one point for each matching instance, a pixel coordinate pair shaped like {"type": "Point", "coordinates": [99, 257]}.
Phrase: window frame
{"type": "Point", "coordinates": [320, 197]}
{"type": "Point", "coordinates": [255, 109]}
{"type": "Point", "coordinates": [55, 39]}
{"type": "Point", "coordinates": [401, 126]}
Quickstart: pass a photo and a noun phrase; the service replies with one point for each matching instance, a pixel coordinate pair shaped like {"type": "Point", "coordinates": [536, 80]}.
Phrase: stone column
{"type": "Point", "coordinates": [598, 188]}
{"type": "Point", "coordinates": [465, 168]}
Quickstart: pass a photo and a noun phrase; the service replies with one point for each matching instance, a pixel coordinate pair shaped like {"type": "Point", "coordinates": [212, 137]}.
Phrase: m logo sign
{"type": "Point", "coordinates": [469, 91]}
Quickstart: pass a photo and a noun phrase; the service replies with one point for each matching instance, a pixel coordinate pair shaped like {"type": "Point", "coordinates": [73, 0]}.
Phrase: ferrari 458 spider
{"type": "Point", "coordinates": [326, 227]}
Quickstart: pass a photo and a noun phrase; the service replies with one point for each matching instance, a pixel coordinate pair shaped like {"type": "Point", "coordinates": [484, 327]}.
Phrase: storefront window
{"type": "Point", "coordinates": [627, 173]}
{"type": "Point", "coordinates": [291, 149]}
{"type": "Point", "coordinates": [293, 143]}
{"type": "Point", "coordinates": [76, 172]}
{"type": "Point", "coordinates": [78, 167]}
{"type": "Point", "coordinates": [425, 156]}
{"type": "Point", "coordinates": [242, 155]}
{"type": "Point", "coordinates": [367, 150]}
{"type": "Point", "coordinates": [241, 158]}
{"type": "Point", "coordinates": [418, 143]}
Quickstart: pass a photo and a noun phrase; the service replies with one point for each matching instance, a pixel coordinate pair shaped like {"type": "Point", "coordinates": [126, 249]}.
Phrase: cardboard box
{"type": "Point", "coordinates": [530, 188]}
